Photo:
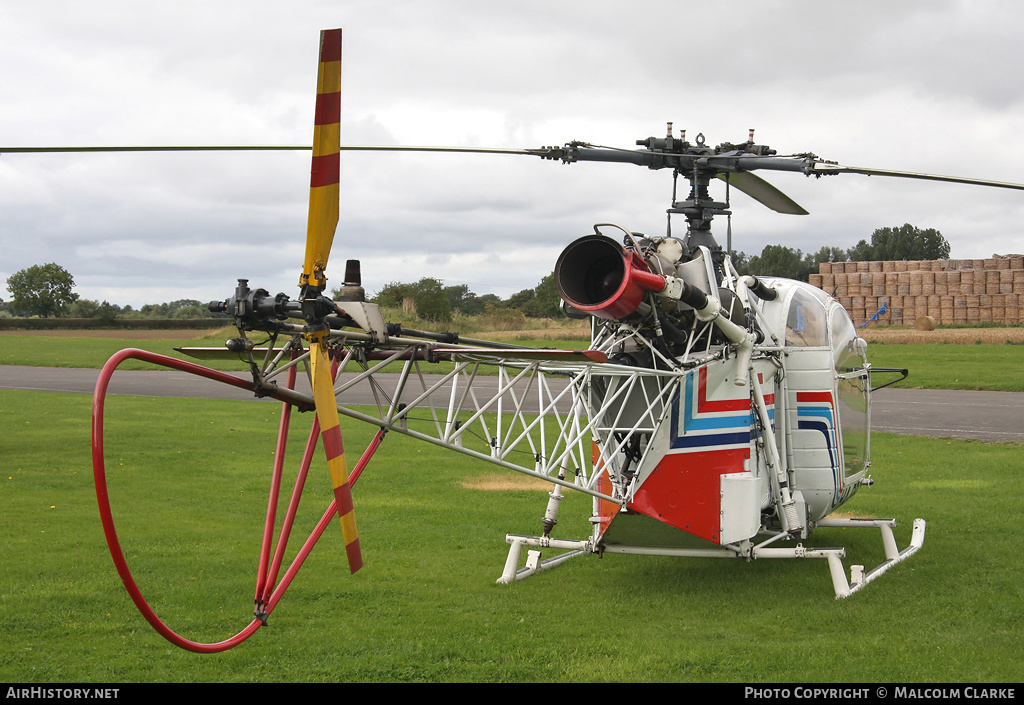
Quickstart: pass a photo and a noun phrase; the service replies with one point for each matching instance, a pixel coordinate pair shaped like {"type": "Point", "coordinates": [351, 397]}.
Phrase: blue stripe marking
{"type": "Point", "coordinates": [828, 431]}
{"type": "Point", "coordinates": [714, 439]}
{"type": "Point", "coordinates": [708, 423]}
{"type": "Point", "coordinates": [823, 411]}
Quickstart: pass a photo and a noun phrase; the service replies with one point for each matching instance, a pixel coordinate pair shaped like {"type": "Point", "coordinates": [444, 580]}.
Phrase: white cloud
{"type": "Point", "coordinates": [915, 86]}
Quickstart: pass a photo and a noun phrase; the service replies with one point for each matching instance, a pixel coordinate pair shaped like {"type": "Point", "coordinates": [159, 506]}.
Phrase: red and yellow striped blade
{"type": "Point", "coordinates": [324, 175]}
{"type": "Point", "coordinates": [323, 219]}
{"type": "Point", "coordinates": [330, 431]}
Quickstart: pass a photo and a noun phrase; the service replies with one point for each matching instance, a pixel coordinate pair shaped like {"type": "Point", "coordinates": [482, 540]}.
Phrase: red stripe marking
{"type": "Point", "coordinates": [325, 170]}
{"type": "Point", "coordinates": [343, 496]}
{"type": "Point", "coordinates": [705, 406]}
{"type": "Point", "coordinates": [328, 109]}
{"type": "Point", "coordinates": [333, 445]}
{"type": "Point", "coordinates": [355, 556]}
{"type": "Point", "coordinates": [330, 45]}
{"type": "Point", "coordinates": [814, 396]}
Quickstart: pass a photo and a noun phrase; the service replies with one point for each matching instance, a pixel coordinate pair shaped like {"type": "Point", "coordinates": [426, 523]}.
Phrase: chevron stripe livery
{"type": "Point", "coordinates": [702, 424]}
{"type": "Point", "coordinates": [708, 438]}
{"type": "Point", "coordinates": [816, 411]}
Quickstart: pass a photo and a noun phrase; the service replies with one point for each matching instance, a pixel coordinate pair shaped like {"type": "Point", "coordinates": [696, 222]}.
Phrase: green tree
{"type": "Point", "coordinates": [107, 312]}
{"type": "Point", "coordinates": [547, 296]}
{"type": "Point", "coordinates": [780, 261]}
{"type": "Point", "coordinates": [900, 243]}
{"type": "Point", "coordinates": [426, 299]}
{"type": "Point", "coordinates": [546, 302]}
{"type": "Point", "coordinates": [154, 310]}
{"type": "Point", "coordinates": [193, 308]}
{"type": "Point", "coordinates": [826, 254]}
{"type": "Point", "coordinates": [542, 301]}
{"type": "Point", "coordinates": [190, 311]}
{"type": "Point", "coordinates": [42, 290]}
{"type": "Point", "coordinates": [741, 261]}
{"type": "Point", "coordinates": [83, 308]}
{"type": "Point", "coordinates": [431, 301]}
{"type": "Point", "coordinates": [104, 312]}
{"type": "Point", "coordinates": [394, 295]}
{"type": "Point", "coordinates": [520, 300]}
{"type": "Point", "coordinates": [461, 299]}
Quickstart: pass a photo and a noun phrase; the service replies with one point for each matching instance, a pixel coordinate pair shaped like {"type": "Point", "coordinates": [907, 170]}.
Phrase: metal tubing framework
{"type": "Point", "coordinates": [540, 417]}
{"type": "Point", "coordinates": [537, 417]}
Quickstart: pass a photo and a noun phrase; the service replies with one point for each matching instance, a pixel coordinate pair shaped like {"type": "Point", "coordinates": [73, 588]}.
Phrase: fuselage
{"type": "Point", "coordinates": [708, 467]}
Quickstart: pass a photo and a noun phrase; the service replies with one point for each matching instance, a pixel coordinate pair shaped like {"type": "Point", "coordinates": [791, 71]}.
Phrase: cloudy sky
{"type": "Point", "coordinates": [916, 85]}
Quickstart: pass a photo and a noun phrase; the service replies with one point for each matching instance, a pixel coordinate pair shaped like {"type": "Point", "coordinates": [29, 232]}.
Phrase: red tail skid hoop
{"type": "Point", "coordinates": [268, 591]}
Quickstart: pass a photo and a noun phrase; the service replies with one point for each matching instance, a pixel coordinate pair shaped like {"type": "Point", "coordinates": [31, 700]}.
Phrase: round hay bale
{"type": "Point", "coordinates": [924, 323]}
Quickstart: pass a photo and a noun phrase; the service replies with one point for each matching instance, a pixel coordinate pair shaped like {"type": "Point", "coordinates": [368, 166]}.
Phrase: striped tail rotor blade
{"type": "Point", "coordinates": [324, 174]}
{"type": "Point", "coordinates": [327, 416]}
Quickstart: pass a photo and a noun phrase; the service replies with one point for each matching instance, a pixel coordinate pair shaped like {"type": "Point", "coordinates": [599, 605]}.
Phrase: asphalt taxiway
{"type": "Point", "coordinates": [989, 416]}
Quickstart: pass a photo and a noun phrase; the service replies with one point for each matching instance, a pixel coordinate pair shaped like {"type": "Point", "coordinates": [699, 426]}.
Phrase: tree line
{"type": "Point", "coordinates": [431, 300]}
{"type": "Point", "coordinates": [905, 242]}
{"type": "Point", "coordinates": [47, 290]}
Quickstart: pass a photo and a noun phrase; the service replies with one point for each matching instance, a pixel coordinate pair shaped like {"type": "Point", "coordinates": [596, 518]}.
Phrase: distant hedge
{"type": "Point", "coordinates": [116, 324]}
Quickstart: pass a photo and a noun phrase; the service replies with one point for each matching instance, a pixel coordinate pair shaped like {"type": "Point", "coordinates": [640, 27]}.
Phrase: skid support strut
{"type": "Point", "coordinates": [533, 562]}
{"type": "Point", "coordinates": [858, 578]}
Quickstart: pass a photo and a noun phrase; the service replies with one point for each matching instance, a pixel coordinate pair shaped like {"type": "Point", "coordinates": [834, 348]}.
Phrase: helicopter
{"type": "Point", "coordinates": [713, 414]}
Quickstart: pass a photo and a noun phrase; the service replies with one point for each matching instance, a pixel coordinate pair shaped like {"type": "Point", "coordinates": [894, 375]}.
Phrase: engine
{"type": "Point", "coordinates": [651, 286]}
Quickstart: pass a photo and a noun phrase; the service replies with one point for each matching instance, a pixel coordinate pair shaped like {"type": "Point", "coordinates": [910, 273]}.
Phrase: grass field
{"type": "Point", "coordinates": [962, 364]}
{"type": "Point", "coordinates": [93, 352]}
{"type": "Point", "coordinates": [188, 482]}
{"type": "Point", "coordinates": [988, 367]}
{"type": "Point", "coordinates": [62, 350]}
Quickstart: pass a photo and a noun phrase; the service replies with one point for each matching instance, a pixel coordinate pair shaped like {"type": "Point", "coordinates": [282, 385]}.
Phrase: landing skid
{"type": "Point", "coordinates": [843, 587]}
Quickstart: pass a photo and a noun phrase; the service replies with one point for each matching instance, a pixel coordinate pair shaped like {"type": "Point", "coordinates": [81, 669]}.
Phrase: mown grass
{"type": "Point", "coordinates": [991, 367]}
{"type": "Point", "coordinates": [93, 352]}
{"type": "Point", "coordinates": [188, 482]}
{"type": "Point", "coordinates": [939, 366]}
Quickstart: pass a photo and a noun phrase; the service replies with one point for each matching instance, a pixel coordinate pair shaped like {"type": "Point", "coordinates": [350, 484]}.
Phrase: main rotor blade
{"type": "Point", "coordinates": [462, 150]}
{"type": "Point", "coordinates": [269, 148]}
{"type": "Point", "coordinates": [194, 148]}
{"type": "Point", "coordinates": [820, 169]}
{"type": "Point", "coordinates": [762, 192]}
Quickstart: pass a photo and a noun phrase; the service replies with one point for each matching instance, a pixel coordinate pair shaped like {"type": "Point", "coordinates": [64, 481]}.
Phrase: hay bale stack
{"type": "Point", "coordinates": [947, 291]}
